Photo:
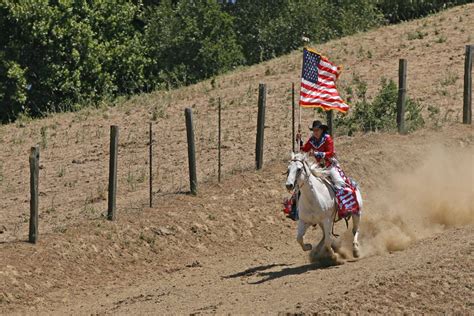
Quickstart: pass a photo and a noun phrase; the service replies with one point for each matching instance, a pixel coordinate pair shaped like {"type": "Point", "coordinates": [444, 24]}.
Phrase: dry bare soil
{"type": "Point", "coordinates": [230, 249]}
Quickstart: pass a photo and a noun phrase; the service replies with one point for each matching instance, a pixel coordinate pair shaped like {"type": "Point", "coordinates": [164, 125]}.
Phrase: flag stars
{"type": "Point", "coordinates": [310, 66]}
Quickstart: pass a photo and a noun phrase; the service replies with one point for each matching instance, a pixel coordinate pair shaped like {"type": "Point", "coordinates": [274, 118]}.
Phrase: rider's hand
{"type": "Point", "coordinates": [298, 136]}
{"type": "Point", "coordinates": [319, 154]}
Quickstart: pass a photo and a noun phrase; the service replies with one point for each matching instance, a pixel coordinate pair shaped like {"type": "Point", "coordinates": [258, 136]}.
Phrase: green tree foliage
{"type": "Point", "coordinates": [270, 28]}
{"type": "Point", "coordinates": [55, 55]}
{"type": "Point", "coordinates": [58, 55]}
{"type": "Point", "coordinates": [190, 41]}
{"type": "Point", "coordinates": [403, 10]}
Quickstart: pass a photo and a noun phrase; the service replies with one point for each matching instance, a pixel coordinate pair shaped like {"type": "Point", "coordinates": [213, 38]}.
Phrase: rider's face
{"type": "Point", "coordinates": [317, 132]}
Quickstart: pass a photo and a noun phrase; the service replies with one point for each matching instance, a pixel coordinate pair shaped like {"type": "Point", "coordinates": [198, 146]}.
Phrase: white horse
{"type": "Point", "coordinates": [317, 204]}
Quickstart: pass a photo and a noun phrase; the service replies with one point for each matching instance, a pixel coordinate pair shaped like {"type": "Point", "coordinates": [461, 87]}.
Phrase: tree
{"type": "Point", "coordinates": [270, 28]}
{"type": "Point", "coordinates": [191, 40]}
{"type": "Point", "coordinates": [57, 55]}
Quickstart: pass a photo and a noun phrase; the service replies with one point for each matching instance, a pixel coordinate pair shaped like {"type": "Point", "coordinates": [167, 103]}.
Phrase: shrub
{"type": "Point", "coordinates": [380, 113]}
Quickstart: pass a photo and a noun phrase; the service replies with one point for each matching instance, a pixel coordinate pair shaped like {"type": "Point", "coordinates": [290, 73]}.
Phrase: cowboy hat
{"type": "Point", "coordinates": [318, 124]}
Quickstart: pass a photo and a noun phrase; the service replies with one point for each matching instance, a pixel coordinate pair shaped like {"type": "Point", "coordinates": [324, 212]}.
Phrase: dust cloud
{"type": "Point", "coordinates": [437, 194]}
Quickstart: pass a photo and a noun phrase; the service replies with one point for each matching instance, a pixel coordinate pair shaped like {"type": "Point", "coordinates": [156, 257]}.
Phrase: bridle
{"type": "Point", "coordinates": [305, 169]}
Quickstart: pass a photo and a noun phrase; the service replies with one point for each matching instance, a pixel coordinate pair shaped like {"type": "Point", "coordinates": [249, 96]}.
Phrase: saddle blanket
{"type": "Point", "coordinates": [346, 197]}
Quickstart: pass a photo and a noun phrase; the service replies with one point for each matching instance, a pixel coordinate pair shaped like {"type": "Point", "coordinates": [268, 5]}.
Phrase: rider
{"type": "Point", "coordinates": [322, 147]}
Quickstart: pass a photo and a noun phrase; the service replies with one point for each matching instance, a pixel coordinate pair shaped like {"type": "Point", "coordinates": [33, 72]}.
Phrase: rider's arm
{"type": "Point", "coordinates": [306, 147]}
{"type": "Point", "coordinates": [329, 148]}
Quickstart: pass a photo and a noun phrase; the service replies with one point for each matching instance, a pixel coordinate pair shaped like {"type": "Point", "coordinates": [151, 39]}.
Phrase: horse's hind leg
{"type": "Point", "coordinates": [355, 232]}
{"type": "Point", "coordinates": [302, 227]}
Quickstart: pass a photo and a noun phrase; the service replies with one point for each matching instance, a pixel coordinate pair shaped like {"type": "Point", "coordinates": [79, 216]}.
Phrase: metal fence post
{"type": "Point", "coordinates": [151, 164]}
{"type": "Point", "coordinates": [34, 194]}
{"type": "Point", "coordinates": [114, 133]}
{"type": "Point", "coordinates": [219, 117]}
{"type": "Point", "coordinates": [402, 90]}
{"type": "Point", "coordinates": [467, 100]}
{"type": "Point", "coordinates": [262, 91]}
{"type": "Point", "coordinates": [191, 150]}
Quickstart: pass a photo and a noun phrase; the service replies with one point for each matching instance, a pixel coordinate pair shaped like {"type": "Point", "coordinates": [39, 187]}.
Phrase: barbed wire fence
{"type": "Point", "coordinates": [169, 171]}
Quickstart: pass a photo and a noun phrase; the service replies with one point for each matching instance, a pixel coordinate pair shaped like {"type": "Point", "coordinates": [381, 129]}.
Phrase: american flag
{"type": "Point", "coordinates": [318, 83]}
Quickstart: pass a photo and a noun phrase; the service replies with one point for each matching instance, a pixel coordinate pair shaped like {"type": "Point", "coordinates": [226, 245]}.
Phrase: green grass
{"type": "Point", "coordinates": [441, 39]}
{"type": "Point", "coordinates": [159, 112]}
{"type": "Point", "coordinates": [450, 79]}
{"type": "Point", "coordinates": [135, 178]}
{"type": "Point", "coordinates": [44, 137]}
{"type": "Point", "coordinates": [61, 172]}
{"type": "Point", "coordinates": [416, 35]}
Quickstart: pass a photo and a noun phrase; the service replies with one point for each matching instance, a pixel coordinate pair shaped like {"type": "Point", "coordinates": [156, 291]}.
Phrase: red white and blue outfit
{"type": "Point", "coordinates": [323, 151]}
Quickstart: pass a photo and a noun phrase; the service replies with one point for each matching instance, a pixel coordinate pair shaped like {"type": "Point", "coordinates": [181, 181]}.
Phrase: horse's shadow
{"type": "Point", "coordinates": [266, 276]}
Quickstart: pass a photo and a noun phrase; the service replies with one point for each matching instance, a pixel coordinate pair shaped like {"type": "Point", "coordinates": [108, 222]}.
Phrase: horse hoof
{"type": "Point", "coordinates": [307, 247]}
{"type": "Point", "coordinates": [356, 252]}
{"type": "Point", "coordinates": [337, 260]}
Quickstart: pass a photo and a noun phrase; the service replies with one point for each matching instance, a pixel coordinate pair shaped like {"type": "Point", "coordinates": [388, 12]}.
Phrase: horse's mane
{"type": "Point", "coordinates": [313, 167]}
{"type": "Point", "coordinates": [317, 171]}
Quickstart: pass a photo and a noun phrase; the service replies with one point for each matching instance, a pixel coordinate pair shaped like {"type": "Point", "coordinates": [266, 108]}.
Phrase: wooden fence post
{"type": "Point", "coordinates": [262, 91]}
{"type": "Point", "coordinates": [191, 150]}
{"type": "Point", "coordinates": [467, 104]}
{"type": "Point", "coordinates": [219, 143]}
{"type": "Point", "coordinates": [114, 133]}
{"type": "Point", "coordinates": [34, 193]}
{"type": "Point", "coordinates": [330, 120]}
{"type": "Point", "coordinates": [402, 90]}
{"type": "Point", "coordinates": [293, 139]}
{"type": "Point", "coordinates": [151, 164]}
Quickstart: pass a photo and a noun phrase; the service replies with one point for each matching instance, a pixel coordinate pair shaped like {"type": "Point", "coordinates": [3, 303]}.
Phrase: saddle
{"type": "Point", "coordinates": [346, 198]}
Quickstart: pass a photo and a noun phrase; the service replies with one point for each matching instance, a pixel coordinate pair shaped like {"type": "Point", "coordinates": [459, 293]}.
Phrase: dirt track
{"type": "Point", "coordinates": [230, 249]}
{"type": "Point", "coordinates": [432, 276]}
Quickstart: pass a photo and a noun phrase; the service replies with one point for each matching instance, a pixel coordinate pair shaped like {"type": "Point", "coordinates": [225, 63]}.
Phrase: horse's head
{"type": "Point", "coordinates": [296, 170]}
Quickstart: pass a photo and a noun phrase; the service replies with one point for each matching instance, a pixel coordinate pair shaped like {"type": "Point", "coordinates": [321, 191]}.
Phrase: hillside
{"type": "Point", "coordinates": [79, 251]}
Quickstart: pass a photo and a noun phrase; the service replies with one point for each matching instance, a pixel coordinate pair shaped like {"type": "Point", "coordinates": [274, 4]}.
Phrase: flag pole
{"type": "Point", "coordinates": [299, 127]}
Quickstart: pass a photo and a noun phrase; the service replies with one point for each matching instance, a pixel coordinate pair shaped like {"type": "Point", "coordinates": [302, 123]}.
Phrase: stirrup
{"type": "Point", "coordinates": [346, 219]}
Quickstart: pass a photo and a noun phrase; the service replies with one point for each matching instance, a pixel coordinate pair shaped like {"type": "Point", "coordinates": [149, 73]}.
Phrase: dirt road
{"type": "Point", "coordinates": [432, 276]}
{"type": "Point", "coordinates": [231, 250]}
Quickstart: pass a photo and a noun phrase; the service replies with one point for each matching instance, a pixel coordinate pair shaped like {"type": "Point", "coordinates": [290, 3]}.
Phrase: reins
{"type": "Point", "coordinates": [306, 170]}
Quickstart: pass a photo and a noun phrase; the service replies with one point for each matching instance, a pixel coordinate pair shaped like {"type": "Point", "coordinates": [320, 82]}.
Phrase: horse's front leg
{"type": "Point", "coordinates": [355, 232]}
{"type": "Point", "coordinates": [302, 227]}
{"type": "Point", "coordinates": [327, 242]}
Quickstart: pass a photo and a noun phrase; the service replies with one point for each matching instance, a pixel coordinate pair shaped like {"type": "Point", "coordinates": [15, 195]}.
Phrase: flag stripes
{"type": "Point", "coordinates": [318, 83]}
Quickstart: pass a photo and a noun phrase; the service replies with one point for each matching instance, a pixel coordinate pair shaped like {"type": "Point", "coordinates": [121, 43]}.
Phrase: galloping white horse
{"type": "Point", "coordinates": [317, 204]}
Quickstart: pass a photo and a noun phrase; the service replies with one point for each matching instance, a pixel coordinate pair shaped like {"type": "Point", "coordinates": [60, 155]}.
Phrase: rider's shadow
{"type": "Point", "coordinates": [273, 275]}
